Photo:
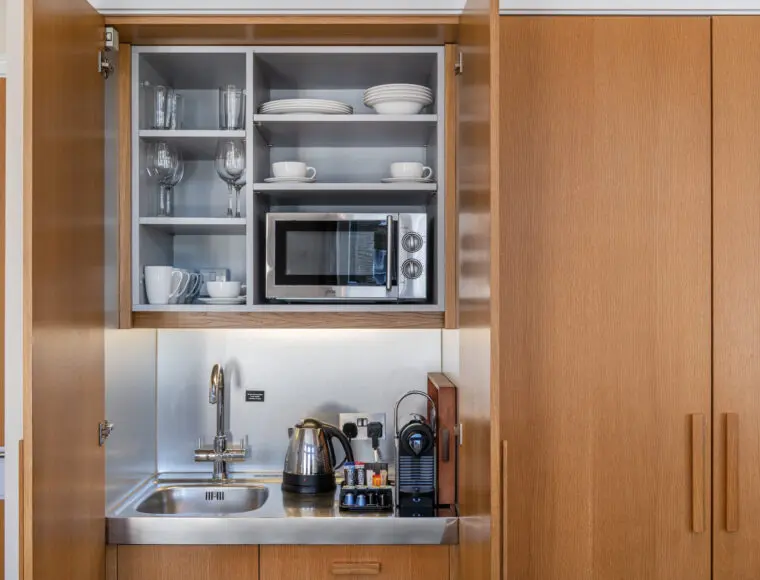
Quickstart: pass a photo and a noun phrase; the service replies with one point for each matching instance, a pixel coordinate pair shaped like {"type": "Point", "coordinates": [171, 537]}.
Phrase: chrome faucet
{"type": "Point", "coordinates": [220, 453]}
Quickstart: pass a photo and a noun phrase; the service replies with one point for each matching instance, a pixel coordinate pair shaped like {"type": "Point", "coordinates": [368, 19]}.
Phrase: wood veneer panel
{"type": "Point", "coordinates": [124, 255]}
{"type": "Point", "coordinates": [380, 562]}
{"type": "Point", "coordinates": [736, 288]}
{"type": "Point", "coordinates": [188, 562]}
{"type": "Point", "coordinates": [607, 354]}
{"type": "Point", "coordinates": [297, 30]}
{"type": "Point", "coordinates": [451, 237]}
{"type": "Point", "coordinates": [63, 179]}
{"type": "Point", "coordinates": [479, 493]}
{"type": "Point", "coordinates": [287, 320]}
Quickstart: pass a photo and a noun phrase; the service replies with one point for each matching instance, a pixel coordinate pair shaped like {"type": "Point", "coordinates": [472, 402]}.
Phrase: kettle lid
{"type": "Point", "coordinates": [310, 423]}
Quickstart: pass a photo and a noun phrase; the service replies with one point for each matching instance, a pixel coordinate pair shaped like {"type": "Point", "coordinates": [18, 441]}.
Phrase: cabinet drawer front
{"type": "Point", "coordinates": [355, 562]}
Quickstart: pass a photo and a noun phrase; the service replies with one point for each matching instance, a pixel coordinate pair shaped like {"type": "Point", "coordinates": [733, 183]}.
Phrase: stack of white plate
{"type": "Point", "coordinates": [398, 99]}
{"type": "Point", "coordinates": [294, 106]}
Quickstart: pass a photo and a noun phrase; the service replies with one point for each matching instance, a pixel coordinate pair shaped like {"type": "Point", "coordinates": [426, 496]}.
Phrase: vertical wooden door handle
{"type": "Point", "coordinates": [698, 488]}
{"type": "Point", "coordinates": [732, 472]}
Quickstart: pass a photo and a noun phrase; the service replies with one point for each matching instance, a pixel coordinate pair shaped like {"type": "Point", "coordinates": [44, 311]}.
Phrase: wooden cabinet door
{"type": "Point", "coordinates": [188, 562]}
{"type": "Point", "coordinates": [354, 562]}
{"type": "Point", "coordinates": [736, 297]}
{"type": "Point", "coordinates": [63, 156]}
{"type": "Point", "coordinates": [605, 405]}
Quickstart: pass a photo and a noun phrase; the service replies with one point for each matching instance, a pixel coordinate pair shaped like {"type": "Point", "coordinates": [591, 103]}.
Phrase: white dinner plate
{"type": "Point", "coordinates": [305, 110]}
{"type": "Point", "coordinates": [222, 301]}
{"type": "Point", "coordinates": [398, 86]}
{"type": "Point", "coordinates": [305, 105]}
{"type": "Point", "coordinates": [302, 105]}
{"type": "Point", "coordinates": [407, 180]}
{"type": "Point", "coordinates": [383, 91]}
{"type": "Point", "coordinates": [376, 100]}
{"type": "Point", "coordinates": [290, 180]}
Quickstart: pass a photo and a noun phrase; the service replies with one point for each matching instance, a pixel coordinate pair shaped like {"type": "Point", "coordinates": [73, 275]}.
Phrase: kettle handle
{"type": "Point", "coordinates": [333, 432]}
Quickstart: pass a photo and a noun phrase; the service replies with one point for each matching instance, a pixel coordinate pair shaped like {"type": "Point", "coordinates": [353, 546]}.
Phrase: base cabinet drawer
{"type": "Point", "coordinates": [188, 562]}
{"type": "Point", "coordinates": [354, 562]}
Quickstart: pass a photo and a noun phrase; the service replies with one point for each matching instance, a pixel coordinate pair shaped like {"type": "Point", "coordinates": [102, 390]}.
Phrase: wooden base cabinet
{"type": "Point", "coordinates": [354, 562]}
{"type": "Point", "coordinates": [188, 562]}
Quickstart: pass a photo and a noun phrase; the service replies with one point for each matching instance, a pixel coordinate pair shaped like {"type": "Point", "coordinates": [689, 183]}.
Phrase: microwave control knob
{"type": "Point", "coordinates": [411, 269]}
{"type": "Point", "coordinates": [412, 242]}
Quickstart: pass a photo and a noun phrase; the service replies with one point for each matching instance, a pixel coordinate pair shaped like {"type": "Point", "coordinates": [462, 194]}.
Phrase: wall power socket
{"type": "Point", "coordinates": [362, 420]}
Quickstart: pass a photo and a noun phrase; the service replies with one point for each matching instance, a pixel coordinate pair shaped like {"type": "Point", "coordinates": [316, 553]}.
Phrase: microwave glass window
{"type": "Point", "coordinates": [331, 253]}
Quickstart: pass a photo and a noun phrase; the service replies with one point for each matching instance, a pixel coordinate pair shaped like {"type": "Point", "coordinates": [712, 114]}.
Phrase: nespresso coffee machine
{"type": "Point", "coordinates": [416, 476]}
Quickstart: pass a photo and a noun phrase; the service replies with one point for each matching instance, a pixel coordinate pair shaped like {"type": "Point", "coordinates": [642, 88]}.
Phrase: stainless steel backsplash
{"type": "Point", "coordinates": [304, 373]}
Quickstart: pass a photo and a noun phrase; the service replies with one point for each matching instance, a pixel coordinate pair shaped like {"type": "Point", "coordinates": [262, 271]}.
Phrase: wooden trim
{"type": "Point", "coordinates": [504, 505]}
{"type": "Point", "coordinates": [124, 252]}
{"type": "Point", "coordinates": [287, 320]}
{"type": "Point", "coordinates": [444, 394]}
{"type": "Point", "coordinates": [732, 472]}
{"type": "Point", "coordinates": [289, 29]}
{"type": "Point", "coordinates": [112, 562]}
{"type": "Point", "coordinates": [698, 489]}
{"type": "Point", "coordinates": [21, 512]}
{"type": "Point", "coordinates": [355, 569]}
{"type": "Point", "coordinates": [451, 244]}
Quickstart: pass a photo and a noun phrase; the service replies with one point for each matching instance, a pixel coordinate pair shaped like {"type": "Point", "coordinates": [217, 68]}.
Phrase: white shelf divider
{"type": "Point", "coordinates": [345, 187]}
{"type": "Point", "coordinates": [194, 143]}
{"type": "Point", "coordinates": [196, 225]}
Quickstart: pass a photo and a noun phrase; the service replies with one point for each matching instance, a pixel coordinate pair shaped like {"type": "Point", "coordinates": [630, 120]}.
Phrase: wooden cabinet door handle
{"type": "Point", "coordinates": [355, 568]}
{"type": "Point", "coordinates": [698, 488]}
{"type": "Point", "coordinates": [732, 472]}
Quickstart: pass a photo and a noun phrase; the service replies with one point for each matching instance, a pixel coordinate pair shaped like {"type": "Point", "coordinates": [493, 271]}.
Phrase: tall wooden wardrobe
{"type": "Point", "coordinates": [630, 179]}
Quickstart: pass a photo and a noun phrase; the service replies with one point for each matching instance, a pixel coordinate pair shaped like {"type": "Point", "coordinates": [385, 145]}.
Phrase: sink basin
{"type": "Point", "coordinates": [206, 500]}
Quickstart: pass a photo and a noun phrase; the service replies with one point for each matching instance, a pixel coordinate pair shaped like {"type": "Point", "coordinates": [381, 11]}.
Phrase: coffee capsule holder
{"type": "Point", "coordinates": [381, 496]}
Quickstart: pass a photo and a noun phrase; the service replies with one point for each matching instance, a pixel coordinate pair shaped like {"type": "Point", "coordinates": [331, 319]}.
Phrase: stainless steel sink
{"type": "Point", "coordinates": [204, 499]}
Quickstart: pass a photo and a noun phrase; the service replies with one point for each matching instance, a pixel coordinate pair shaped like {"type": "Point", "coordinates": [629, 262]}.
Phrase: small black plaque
{"type": "Point", "coordinates": [254, 396]}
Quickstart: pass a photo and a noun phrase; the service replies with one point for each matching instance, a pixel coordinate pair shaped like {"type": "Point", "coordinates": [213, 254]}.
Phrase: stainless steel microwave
{"type": "Point", "coordinates": [347, 257]}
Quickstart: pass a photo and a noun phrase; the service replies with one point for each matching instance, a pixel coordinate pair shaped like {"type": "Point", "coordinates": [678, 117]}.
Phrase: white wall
{"type": "Point", "coordinates": [304, 373]}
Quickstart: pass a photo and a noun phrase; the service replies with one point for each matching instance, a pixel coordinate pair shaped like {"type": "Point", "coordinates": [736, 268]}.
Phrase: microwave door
{"type": "Point", "coordinates": [331, 257]}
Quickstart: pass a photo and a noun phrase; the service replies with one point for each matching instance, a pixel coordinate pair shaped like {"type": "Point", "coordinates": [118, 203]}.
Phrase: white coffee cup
{"type": "Point", "coordinates": [293, 169]}
{"type": "Point", "coordinates": [184, 287]}
{"type": "Point", "coordinates": [410, 170]}
{"type": "Point", "coordinates": [164, 283]}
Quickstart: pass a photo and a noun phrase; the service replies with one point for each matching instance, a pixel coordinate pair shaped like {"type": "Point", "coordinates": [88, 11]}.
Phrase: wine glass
{"type": "Point", "coordinates": [230, 166]}
{"type": "Point", "coordinates": [164, 164]}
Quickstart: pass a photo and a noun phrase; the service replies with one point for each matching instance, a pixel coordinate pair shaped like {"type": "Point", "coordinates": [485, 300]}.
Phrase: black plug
{"type": "Point", "coordinates": [350, 430]}
{"type": "Point", "coordinates": [374, 432]}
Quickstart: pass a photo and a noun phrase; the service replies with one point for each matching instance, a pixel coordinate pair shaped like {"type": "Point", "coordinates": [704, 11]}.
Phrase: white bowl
{"type": "Point", "coordinates": [223, 289]}
{"type": "Point", "coordinates": [398, 108]}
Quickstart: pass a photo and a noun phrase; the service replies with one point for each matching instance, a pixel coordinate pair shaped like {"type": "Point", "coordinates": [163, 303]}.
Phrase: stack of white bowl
{"type": "Point", "coordinates": [398, 99]}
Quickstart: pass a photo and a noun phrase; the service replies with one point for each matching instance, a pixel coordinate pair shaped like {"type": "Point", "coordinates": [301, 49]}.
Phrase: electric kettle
{"type": "Point", "coordinates": [310, 461]}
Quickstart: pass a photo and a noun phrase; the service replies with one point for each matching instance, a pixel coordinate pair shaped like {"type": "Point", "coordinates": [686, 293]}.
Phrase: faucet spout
{"type": "Point", "coordinates": [216, 397]}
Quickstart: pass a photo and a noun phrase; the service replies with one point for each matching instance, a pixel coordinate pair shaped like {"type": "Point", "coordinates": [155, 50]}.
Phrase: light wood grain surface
{"type": "Point", "coordinates": [289, 29]}
{"type": "Point", "coordinates": [605, 163]}
{"type": "Point", "coordinates": [451, 237]}
{"type": "Point", "coordinates": [479, 484]}
{"type": "Point", "coordinates": [736, 309]}
{"type": "Point", "coordinates": [63, 156]}
{"type": "Point", "coordinates": [124, 253]}
{"type": "Point", "coordinates": [377, 562]}
{"type": "Point", "coordinates": [287, 320]}
{"type": "Point", "coordinates": [188, 562]}
{"type": "Point", "coordinates": [444, 395]}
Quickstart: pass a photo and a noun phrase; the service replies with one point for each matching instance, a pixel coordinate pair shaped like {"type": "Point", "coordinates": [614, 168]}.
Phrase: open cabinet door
{"type": "Point", "coordinates": [64, 489]}
{"type": "Point", "coordinates": [479, 556]}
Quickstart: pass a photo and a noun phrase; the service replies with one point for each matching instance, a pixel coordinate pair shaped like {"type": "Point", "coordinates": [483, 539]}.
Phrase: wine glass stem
{"type": "Point", "coordinates": [237, 202]}
{"type": "Point", "coordinates": [229, 200]}
{"type": "Point", "coordinates": [162, 199]}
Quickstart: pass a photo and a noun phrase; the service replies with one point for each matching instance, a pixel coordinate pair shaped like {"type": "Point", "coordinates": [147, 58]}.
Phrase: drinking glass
{"type": "Point", "coordinates": [164, 165]}
{"type": "Point", "coordinates": [230, 166]}
{"type": "Point", "coordinates": [231, 108]}
{"type": "Point", "coordinates": [176, 104]}
{"type": "Point", "coordinates": [160, 97]}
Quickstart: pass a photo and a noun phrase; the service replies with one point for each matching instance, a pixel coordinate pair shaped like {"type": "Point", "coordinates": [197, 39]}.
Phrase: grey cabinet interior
{"type": "Point", "coordinates": [351, 153]}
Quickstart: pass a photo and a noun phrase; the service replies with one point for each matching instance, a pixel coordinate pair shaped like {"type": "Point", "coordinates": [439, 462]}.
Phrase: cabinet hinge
{"type": "Point", "coordinates": [105, 428]}
{"type": "Point", "coordinates": [458, 65]}
{"type": "Point", "coordinates": [110, 44]}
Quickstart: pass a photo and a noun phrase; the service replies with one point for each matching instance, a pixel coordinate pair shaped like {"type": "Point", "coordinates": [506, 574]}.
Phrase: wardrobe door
{"type": "Point", "coordinates": [606, 396]}
{"type": "Point", "coordinates": [736, 297]}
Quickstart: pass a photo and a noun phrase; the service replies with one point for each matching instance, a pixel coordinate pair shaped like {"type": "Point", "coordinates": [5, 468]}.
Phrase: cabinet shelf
{"type": "Point", "coordinates": [353, 193]}
{"type": "Point", "coordinates": [196, 226]}
{"type": "Point", "coordinates": [313, 130]}
{"type": "Point", "coordinates": [194, 144]}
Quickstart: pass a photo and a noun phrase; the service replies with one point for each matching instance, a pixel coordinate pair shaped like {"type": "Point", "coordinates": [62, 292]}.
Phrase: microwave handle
{"type": "Point", "coordinates": [389, 255]}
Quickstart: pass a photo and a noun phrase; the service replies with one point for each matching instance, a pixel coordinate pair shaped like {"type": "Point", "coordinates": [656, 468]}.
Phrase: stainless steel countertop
{"type": "Point", "coordinates": [284, 519]}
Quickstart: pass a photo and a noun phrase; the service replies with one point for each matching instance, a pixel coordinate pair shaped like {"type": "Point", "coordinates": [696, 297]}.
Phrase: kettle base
{"type": "Point", "coordinates": [308, 484]}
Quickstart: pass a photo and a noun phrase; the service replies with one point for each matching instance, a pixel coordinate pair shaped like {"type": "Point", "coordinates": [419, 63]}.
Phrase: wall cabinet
{"type": "Point", "coordinates": [352, 154]}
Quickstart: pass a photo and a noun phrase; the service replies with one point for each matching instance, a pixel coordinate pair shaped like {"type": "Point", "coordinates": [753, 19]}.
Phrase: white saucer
{"type": "Point", "coordinates": [289, 180]}
{"type": "Point", "coordinates": [222, 301]}
{"type": "Point", "coordinates": [407, 180]}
